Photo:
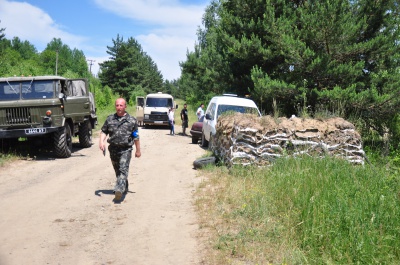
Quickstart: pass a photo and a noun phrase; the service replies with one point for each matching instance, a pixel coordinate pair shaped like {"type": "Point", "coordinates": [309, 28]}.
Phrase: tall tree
{"type": "Point", "coordinates": [19, 57]}
{"type": "Point", "coordinates": [2, 34]}
{"type": "Point", "coordinates": [58, 57]}
{"type": "Point", "coordinates": [206, 71]}
{"type": "Point", "coordinates": [313, 53]}
{"type": "Point", "coordinates": [25, 48]}
{"type": "Point", "coordinates": [4, 43]}
{"type": "Point", "coordinates": [129, 68]}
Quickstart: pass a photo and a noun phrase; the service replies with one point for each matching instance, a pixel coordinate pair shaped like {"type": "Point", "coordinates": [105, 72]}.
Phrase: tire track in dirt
{"type": "Point", "coordinates": [61, 211]}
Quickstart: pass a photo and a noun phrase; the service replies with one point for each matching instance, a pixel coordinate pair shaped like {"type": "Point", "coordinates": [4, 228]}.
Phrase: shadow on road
{"type": "Point", "coordinates": [100, 192]}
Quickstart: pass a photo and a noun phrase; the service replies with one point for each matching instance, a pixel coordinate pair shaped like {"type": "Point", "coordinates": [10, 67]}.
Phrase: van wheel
{"type": "Point", "coordinates": [204, 142]}
{"type": "Point", "coordinates": [62, 140]}
{"type": "Point", "coordinates": [202, 162]}
{"type": "Point", "coordinates": [85, 134]}
{"type": "Point", "coordinates": [211, 143]}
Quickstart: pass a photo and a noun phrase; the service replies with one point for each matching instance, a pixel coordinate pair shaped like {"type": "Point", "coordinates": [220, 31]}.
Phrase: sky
{"type": "Point", "coordinates": [165, 29]}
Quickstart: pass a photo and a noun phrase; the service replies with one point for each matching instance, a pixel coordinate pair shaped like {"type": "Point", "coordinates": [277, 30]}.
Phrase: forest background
{"type": "Point", "coordinates": [308, 58]}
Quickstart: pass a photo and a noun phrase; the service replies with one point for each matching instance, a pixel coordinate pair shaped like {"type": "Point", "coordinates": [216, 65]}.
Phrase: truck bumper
{"type": "Point", "coordinates": [155, 122]}
{"type": "Point", "coordinates": [27, 132]}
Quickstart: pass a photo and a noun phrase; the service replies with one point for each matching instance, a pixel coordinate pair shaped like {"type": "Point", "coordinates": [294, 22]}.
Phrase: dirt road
{"type": "Point", "coordinates": [61, 211]}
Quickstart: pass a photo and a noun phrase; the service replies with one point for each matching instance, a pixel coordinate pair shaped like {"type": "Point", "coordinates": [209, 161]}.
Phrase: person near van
{"type": "Point", "coordinates": [122, 131]}
{"type": "Point", "coordinates": [171, 119]}
{"type": "Point", "coordinates": [185, 118]}
{"type": "Point", "coordinates": [200, 111]}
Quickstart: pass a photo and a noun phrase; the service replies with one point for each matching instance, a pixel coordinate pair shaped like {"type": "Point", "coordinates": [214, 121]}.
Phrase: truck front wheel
{"type": "Point", "coordinates": [63, 142]}
{"type": "Point", "coordinates": [85, 134]}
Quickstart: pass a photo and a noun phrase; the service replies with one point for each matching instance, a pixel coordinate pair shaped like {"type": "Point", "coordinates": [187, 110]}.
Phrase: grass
{"type": "Point", "coordinates": [191, 113]}
{"type": "Point", "coordinates": [6, 158]}
{"type": "Point", "coordinates": [300, 211]}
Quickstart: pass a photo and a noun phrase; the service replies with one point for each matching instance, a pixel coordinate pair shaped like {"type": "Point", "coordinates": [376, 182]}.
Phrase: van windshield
{"type": "Point", "coordinates": [159, 102]}
{"type": "Point", "coordinates": [241, 109]}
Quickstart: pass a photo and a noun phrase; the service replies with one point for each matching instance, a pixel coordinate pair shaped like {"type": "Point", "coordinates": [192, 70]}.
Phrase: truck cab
{"type": "Point", "coordinates": [156, 107]}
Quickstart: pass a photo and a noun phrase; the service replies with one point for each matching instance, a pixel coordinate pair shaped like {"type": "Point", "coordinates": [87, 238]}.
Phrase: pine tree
{"type": "Point", "coordinates": [342, 55]}
{"type": "Point", "coordinates": [129, 68]}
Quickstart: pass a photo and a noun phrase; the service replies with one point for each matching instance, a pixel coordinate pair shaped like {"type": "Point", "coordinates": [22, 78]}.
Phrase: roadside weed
{"type": "Point", "coordinates": [302, 211]}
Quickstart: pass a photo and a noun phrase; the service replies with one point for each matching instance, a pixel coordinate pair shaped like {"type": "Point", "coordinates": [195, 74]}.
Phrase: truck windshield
{"type": "Point", "coordinates": [26, 90]}
{"type": "Point", "coordinates": [159, 102]}
{"type": "Point", "coordinates": [9, 91]}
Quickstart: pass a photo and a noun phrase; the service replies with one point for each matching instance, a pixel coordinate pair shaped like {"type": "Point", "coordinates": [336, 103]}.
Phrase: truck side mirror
{"type": "Point", "coordinates": [176, 107]}
{"type": "Point", "coordinates": [208, 116]}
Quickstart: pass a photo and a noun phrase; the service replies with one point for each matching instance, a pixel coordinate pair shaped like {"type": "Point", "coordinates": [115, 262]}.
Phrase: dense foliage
{"type": "Point", "coordinates": [130, 70]}
{"type": "Point", "coordinates": [20, 58]}
{"type": "Point", "coordinates": [340, 57]}
{"type": "Point", "coordinates": [301, 210]}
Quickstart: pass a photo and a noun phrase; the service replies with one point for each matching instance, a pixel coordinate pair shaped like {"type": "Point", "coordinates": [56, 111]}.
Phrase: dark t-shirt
{"type": "Point", "coordinates": [184, 113]}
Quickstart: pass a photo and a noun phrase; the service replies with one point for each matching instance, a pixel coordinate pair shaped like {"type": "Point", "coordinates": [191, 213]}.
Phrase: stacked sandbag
{"type": "Point", "coordinates": [248, 139]}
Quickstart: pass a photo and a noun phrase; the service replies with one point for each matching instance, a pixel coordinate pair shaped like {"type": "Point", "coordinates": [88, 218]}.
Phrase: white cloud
{"type": "Point", "coordinates": [167, 51]}
{"type": "Point", "coordinates": [170, 29]}
{"type": "Point", "coordinates": [174, 31]}
{"type": "Point", "coordinates": [30, 23]}
{"type": "Point", "coordinates": [160, 12]}
{"type": "Point", "coordinates": [95, 63]}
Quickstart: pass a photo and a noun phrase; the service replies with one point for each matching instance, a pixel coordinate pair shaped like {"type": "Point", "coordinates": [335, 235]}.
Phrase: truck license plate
{"type": "Point", "coordinates": [158, 122]}
{"type": "Point", "coordinates": [35, 130]}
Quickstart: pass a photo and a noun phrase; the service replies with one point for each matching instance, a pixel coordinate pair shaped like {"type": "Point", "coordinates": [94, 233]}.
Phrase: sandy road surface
{"type": "Point", "coordinates": [61, 211]}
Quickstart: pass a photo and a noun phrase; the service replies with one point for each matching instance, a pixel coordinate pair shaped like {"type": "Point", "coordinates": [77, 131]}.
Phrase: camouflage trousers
{"type": "Point", "coordinates": [120, 159]}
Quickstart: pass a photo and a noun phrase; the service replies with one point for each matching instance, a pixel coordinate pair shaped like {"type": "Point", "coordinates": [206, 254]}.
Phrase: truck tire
{"type": "Point", "coordinates": [194, 140]}
{"type": "Point", "coordinates": [7, 145]}
{"type": "Point", "coordinates": [63, 142]}
{"type": "Point", "coordinates": [85, 134]}
{"type": "Point", "coordinates": [204, 142]}
{"type": "Point", "coordinates": [202, 162]}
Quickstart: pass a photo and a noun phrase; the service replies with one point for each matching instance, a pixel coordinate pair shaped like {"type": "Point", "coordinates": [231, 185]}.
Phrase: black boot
{"type": "Point", "coordinates": [126, 187]}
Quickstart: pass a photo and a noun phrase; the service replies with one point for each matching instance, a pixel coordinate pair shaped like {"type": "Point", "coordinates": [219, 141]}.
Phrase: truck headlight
{"type": "Point", "coordinates": [146, 116]}
{"type": "Point", "coordinates": [47, 119]}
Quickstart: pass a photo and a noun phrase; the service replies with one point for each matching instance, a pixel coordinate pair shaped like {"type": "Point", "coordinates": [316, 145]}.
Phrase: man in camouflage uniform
{"type": "Point", "coordinates": [122, 130]}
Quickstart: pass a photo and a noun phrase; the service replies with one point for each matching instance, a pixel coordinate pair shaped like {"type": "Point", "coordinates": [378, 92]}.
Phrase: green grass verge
{"type": "Point", "coordinates": [6, 158]}
{"type": "Point", "coordinates": [302, 211]}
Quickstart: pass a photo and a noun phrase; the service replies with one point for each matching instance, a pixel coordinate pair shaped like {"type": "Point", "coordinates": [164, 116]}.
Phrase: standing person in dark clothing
{"type": "Point", "coordinates": [185, 119]}
{"type": "Point", "coordinates": [122, 130]}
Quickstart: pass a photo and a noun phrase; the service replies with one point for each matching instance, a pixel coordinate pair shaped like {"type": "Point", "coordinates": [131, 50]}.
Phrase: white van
{"type": "Point", "coordinates": [156, 107]}
{"type": "Point", "coordinates": [219, 105]}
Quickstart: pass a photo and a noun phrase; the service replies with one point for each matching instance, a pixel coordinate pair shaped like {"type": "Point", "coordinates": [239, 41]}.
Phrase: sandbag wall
{"type": "Point", "coordinates": [247, 139]}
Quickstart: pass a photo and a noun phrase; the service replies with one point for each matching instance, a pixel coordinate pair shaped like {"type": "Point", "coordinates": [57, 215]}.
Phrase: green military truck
{"type": "Point", "coordinates": [47, 110]}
